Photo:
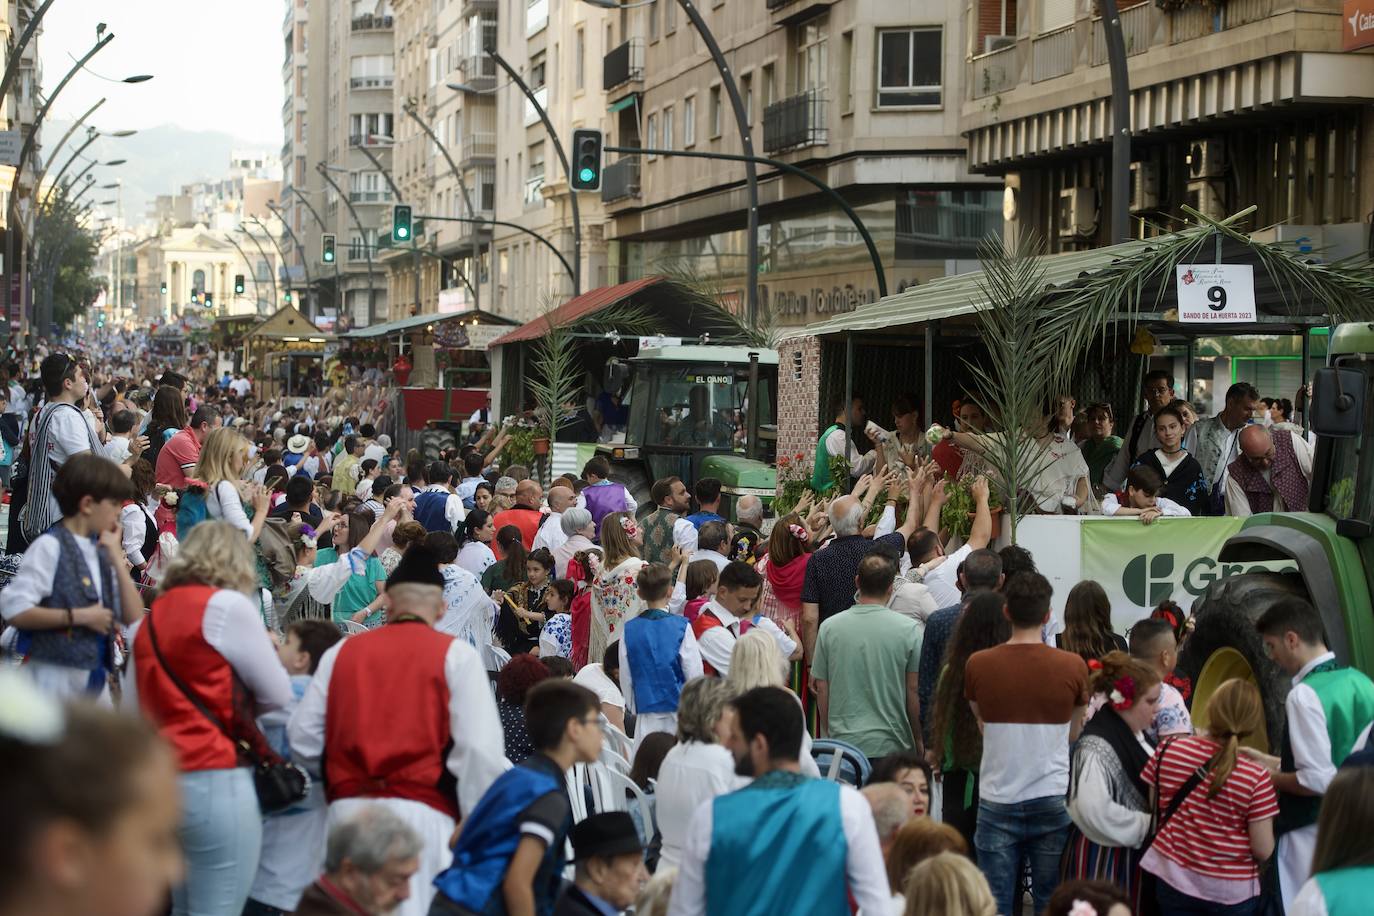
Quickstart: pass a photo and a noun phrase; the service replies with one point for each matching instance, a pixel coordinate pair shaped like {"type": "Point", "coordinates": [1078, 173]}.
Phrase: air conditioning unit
{"type": "Point", "coordinates": [1144, 187]}
{"type": "Point", "coordinates": [1205, 198]}
{"type": "Point", "coordinates": [997, 42]}
{"type": "Point", "coordinates": [1077, 212]}
{"type": "Point", "coordinates": [1206, 159]}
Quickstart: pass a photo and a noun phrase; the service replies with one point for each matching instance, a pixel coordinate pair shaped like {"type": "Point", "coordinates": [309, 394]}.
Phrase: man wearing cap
{"type": "Point", "coordinates": [403, 716]}
{"type": "Point", "coordinates": [610, 867]}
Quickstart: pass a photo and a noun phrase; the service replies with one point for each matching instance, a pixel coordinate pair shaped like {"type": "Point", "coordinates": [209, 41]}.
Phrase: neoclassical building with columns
{"type": "Point", "coordinates": [194, 260]}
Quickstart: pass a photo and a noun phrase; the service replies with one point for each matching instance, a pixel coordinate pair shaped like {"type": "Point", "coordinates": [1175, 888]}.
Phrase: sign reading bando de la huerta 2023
{"type": "Point", "coordinates": [1215, 293]}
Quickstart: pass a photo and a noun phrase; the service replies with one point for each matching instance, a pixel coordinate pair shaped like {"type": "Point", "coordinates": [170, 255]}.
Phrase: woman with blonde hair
{"type": "Point", "coordinates": [223, 458]}
{"type": "Point", "coordinates": [760, 664]}
{"type": "Point", "coordinates": [948, 884]}
{"type": "Point", "coordinates": [203, 638]}
{"type": "Point", "coordinates": [1217, 827]}
{"type": "Point", "coordinates": [917, 840]}
{"type": "Point", "coordinates": [615, 590]}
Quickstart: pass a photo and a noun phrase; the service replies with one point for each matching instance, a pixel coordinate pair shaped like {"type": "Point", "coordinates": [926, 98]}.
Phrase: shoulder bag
{"type": "Point", "coordinates": [279, 783]}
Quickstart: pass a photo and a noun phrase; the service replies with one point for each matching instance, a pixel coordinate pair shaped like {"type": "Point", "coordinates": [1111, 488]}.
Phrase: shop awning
{"type": "Point", "coordinates": [624, 103]}
{"type": "Point", "coordinates": [586, 304]}
{"type": "Point", "coordinates": [415, 321]}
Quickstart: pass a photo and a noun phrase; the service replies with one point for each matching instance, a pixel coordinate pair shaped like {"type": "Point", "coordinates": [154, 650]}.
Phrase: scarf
{"type": "Point", "coordinates": [787, 580]}
{"type": "Point", "coordinates": [1125, 758]}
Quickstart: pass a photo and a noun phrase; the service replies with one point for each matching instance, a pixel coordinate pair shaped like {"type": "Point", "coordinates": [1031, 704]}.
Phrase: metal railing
{"type": "Point", "coordinates": [367, 140]}
{"type": "Point", "coordinates": [380, 196]}
{"type": "Point", "coordinates": [1240, 12]}
{"type": "Point", "coordinates": [1052, 54]}
{"type": "Point", "coordinates": [1137, 27]}
{"type": "Point", "coordinates": [371, 23]}
{"type": "Point", "coordinates": [371, 82]}
{"type": "Point", "coordinates": [997, 71]}
{"type": "Point", "coordinates": [794, 122]}
{"type": "Point", "coordinates": [476, 146]}
{"type": "Point", "coordinates": [1193, 21]}
{"type": "Point", "coordinates": [623, 64]}
{"type": "Point", "coordinates": [620, 180]}
{"type": "Point", "coordinates": [479, 71]}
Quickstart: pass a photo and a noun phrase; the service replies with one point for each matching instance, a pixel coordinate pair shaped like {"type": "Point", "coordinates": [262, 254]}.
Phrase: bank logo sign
{"type": "Point", "coordinates": [1359, 17]}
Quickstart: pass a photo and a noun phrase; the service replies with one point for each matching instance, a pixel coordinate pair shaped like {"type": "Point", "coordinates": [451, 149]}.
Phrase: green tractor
{"type": "Point", "coordinates": [1326, 554]}
{"type": "Point", "coordinates": [687, 416]}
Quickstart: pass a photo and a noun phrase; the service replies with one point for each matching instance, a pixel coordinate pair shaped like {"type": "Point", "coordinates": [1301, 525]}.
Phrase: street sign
{"type": "Point", "coordinates": [10, 145]}
{"type": "Point", "coordinates": [1215, 293]}
{"type": "Point", "coordinates": [1357, 26]}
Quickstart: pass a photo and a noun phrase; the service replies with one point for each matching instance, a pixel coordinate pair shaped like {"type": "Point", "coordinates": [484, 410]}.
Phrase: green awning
{"type": "Point", "coordinates": [623, 103]}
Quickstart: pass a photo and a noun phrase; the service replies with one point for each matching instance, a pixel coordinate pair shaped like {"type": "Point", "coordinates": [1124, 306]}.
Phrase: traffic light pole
{"type": "Point", "coordinates": [516, 226]}
{"type": "Point", "coordinates": [338, 290]}
{"type": "Point", "coordinates": [562, 158]}
{"type": "Point", "coordinates": [396, 192]}
{"type": "Point", "coordinates": [791, 170]}
{"type": "Point", "coordinates": [305, 259]}
{"type": "Point", "coordinates": [362, 235]}
{"type": "Point", "coordinates": [252, 271]}
{"type": "Point", "coordinates": [467, 200]}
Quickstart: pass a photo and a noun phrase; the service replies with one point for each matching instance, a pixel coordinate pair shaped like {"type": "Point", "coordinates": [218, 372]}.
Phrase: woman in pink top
{"type": "Point", "coordinates": [783, 569]}
{"type": "Point", "coordinates": [1206, 855]}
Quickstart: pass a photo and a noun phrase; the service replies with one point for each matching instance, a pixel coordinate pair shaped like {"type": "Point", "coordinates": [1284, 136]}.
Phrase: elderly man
{"type": "Point", "coordinates": [550, 535]}
{"type": "Point", "coordinates": [713, 543]}
{"type": "Point", "coordinates": [667, 526]}
{"type": "Point", "coordinates": [748, 542]}
{"type": "Point", "coordinates": [525, 514]}
{"type": "Point", "coordinates": [368, 865]}
{"type": "Point", "coordinates": [610, 866]}
{"type": "Point", "coordinates": [1273, 473]}
{"type": "Point", "coordinates": [891, 809]}
{"type": "Point", "coordinates": [403, 716]}
{"type": "Point", "coordinates": [1159, 392]}
{"type": "Point", "coordinates": [1216, 439]}
{"type": "Point", "coordinates": [828, 586]}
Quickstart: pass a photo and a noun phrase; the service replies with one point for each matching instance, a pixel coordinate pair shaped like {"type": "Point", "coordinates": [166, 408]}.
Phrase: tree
{"type": "Point", "coordinates": [64, 261]}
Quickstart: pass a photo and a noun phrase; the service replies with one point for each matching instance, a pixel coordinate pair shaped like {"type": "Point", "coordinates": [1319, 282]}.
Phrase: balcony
{"type": "Point", "coordinates": [620, 180]}
{"type": "Point", "coordinates": [474, 7]}
{"type": "Point", "coordinates": [371, 23]}
{"type": "Point", "coordinates": [477, 148]}
{"type": "Point", "coordinates": [995, 72]}
{"type": "Point", "coordinates": [479, 71]}
{"type": "Point", "coordinates": [371, 82]}
{"type": "Point", "coordinates": [1137, 27]}
{"type": "Point", "coordinates": [534, 192]}
{"type": "Point", "coordinates": [541, 95]}
{"type": "Point", "coordinates": [795, 122]}
{"type": "Point", "coordinates": [369, 140]}
{"type": "Point", "coordinates": [536, 17]}
{"type": "Point", "coordinates": [623, 64]}
{"type": "Point", "coordinates": [1052, 54]}
{"type": "Point", "coordinates": [381, 196]}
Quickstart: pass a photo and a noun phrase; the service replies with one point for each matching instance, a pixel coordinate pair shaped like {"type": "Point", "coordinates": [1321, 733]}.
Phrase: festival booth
{"type": "Point", "coordinates": [1206, 304]}
{"type": "Point", "coordinates": [283, 354]}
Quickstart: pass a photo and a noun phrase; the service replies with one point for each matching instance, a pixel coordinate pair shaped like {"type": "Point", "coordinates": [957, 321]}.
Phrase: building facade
{"type": "Point", "coordinates": [18, 110]}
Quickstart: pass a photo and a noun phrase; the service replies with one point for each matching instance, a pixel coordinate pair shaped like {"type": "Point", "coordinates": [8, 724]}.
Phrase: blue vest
{"type": "Point", "coordinates": [80, 648]}
{"type": "Point", "coordinates": [778, 848]}
{"type": "Point", "coordinates": [492, 832]}
{"type": "Point", "coordinates": [429, 511]}
{"type": "Point", "coordinates": [653, 649]}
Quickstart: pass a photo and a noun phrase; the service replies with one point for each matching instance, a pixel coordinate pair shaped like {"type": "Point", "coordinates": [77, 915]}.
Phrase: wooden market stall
{"type": "Point", "coordinates": [284, 354]}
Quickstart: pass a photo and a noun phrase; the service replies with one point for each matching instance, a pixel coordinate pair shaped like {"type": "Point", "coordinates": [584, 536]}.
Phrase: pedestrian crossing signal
{"type": "Point", "coordinates": [238, 284]}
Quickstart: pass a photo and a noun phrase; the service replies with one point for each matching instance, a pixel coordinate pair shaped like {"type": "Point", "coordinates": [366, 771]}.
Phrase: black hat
{"type": "Point", "coordinates": [175, 379]}
{"type": "Point", "coordinates": [419, 565]}
{"type": "Point", "coordinates": [605, 835]}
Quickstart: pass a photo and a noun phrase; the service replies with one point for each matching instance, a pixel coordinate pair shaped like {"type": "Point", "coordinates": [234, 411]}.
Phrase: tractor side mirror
{"type": "Point", "coordinates": [616, 374]}
{"type": "Point", "coordinates": [1337, 402]}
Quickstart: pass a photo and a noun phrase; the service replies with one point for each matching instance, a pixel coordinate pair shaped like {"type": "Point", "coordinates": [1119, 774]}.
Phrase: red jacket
{"type": "Point", "coordinates": [386, 726]}
{"type": "Point", "coordinates": [179, 615]}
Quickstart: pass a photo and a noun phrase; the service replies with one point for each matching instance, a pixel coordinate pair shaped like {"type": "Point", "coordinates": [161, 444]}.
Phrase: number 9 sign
{"type": "Point", "coordinates": [1215, 293]}
{"type": "Point", "coordinates": [1216, 297]}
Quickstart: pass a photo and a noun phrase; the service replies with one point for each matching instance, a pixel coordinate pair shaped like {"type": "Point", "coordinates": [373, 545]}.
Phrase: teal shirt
{"type": "Point", "coordinates": [359, 591]}
{"type": "Point", "coordinates": [868, 700]}
{"type": "Point", "coordinates": [1346, 891]}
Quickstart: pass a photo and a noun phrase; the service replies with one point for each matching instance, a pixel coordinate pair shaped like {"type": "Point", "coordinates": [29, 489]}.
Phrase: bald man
{"type": "Point", "coordinates": [1273, 473]}
{"type": "Point", "coordinates": [551, 534]}
{"type": "Point", "coordinates": [525, 514]}
{"type": "Point", "coordinates": [891, 809]}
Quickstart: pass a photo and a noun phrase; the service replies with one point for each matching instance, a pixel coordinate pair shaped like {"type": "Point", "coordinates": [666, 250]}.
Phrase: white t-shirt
{"type": "Point", "coordinates": [68, 434]}
{"type": "Point", "coordinates": [595, 679]}
{"type": "Point", "coordinates": [376, 453]}
{"type": "Point", "coordinates": [943, 580]}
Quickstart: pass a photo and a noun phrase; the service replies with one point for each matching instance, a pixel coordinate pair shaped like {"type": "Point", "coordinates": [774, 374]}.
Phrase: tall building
{"type": "Point", "coordinates": [19, 109]}
{"type": "Point", "coordinates": [863, 94]}
{"type": "Point", "coordinates": [1246, 102]}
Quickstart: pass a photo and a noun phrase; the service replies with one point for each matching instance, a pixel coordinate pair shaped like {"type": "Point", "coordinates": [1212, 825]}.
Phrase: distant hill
{"type": "Point", "coordinates": [160, 160]}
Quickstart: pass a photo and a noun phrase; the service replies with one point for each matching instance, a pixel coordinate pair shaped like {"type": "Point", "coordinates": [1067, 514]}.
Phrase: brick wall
{"type": "Point", "coordinates": [991, 22]}
{"type": "Point", "coordinates": [798, 398]}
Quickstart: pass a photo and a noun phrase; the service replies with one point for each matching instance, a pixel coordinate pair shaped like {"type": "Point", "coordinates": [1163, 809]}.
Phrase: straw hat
{"type": "Point", "coordinates": [298, 444]}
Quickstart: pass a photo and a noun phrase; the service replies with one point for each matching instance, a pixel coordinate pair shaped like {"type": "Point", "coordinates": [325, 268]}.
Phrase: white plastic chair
{"type": "Point", "coordinates": [623, 785]}
{"type": "Point", "coordinates": [617, 740]}
{"type": "Point", "coordinates": [351, 627]}
{"type": "Point", "coordinates": [614, 761]}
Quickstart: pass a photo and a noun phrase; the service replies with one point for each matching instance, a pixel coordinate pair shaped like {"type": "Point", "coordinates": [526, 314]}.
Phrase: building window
{"type": "Point", "coordinates": [746, 91]}
{"type": "Point", "coordinates": [909, 62]}
{"type": "Point", "coordinates": [847, 71]}
{"type": "Point", "coordinates": [580, 60]}
{"type": "Point", "coordinates": [651, 132]}
{"type": "Point", "coordinates": [653, 19]}
{"type": "Point", "coordinates": [714, 112]}
{"type": "Point", "coordinates": [537, 72]}
{"type": "Point", "coordinates": [668, 127]}
{"type": "Point", "coordinates": [770, 85]}
{"type": "Point", "coordinates": [689, 121]}
{"type": "Point", "coordinates": [812, 55]}
{"type": "Point", "coordinates": [669, 17]}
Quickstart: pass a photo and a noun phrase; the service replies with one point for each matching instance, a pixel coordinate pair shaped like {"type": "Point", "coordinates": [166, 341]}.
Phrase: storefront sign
{"type": "Point", "coordinates": [480, 336]}
{"type": "Point", "coordinates": [1357, 29]}
{"type": "Point", "coordinates": [1215, 293]}
{"type": "Point", "coordinates": [10, 146]}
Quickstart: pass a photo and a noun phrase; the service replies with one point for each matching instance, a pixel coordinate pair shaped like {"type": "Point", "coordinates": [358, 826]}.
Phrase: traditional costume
{"type": "Point", "coordinates": [604, 497]}
{"type": "Point", "coordinates": [403, 716]}
{"type": "Point", "coordinates": [716, 630]}
{"type": "Point", "coordinates": [658, 654]}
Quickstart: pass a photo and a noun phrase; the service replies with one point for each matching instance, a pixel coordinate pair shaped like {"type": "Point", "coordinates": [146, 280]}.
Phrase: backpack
{"type": "Point", "coordinates": [191, 510]}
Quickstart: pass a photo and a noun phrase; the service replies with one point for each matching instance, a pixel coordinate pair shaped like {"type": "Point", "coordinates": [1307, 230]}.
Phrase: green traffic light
{"type": "Point", "coordinates": [402, 232]}
{"type": "Point", "coordinates": [587, 175]}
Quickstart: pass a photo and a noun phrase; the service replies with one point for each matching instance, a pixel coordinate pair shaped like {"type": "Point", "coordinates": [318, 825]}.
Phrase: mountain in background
{"type": "Point", "coordinates": [160, 160]}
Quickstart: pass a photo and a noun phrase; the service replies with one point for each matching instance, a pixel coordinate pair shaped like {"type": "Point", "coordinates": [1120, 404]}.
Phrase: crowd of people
{"type": "Point", "coordinates": [350, 680]}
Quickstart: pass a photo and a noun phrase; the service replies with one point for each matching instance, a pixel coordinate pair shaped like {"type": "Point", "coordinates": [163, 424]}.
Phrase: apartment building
{"type": "Point", "coordinates": [18, 109]}
{"type": "Point", "coordinates": [864, 94]}
{"type": "Point", "coordinates": [1232, 104]}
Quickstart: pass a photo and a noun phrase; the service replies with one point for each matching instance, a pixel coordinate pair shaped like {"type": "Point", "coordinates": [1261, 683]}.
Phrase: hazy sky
{"type": "Point", "coordinates": [216, 64]}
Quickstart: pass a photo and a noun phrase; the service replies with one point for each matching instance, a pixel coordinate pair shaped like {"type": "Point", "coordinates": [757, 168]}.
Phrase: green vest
{"type": "Point", "coordinates": [821, 478]}
{"type": "Point", "coordinates": [658, 535]}
{"type": "Point", "coordinates": [1347, 699]}
{"type": "Point", "coordinates": [1346, 890]}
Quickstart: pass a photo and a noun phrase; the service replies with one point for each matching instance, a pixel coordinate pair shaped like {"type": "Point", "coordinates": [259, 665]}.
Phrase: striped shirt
{"type": "Point", "coordinates": [1204, 849]}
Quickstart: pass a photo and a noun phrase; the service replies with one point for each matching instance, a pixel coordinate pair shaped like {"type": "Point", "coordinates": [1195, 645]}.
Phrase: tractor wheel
{"type": "Point", "coordinates": [1225, 644]}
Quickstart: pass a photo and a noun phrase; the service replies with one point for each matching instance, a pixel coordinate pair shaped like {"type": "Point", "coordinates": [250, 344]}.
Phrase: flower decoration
{"type": "Point", "coordinates": [309, 537]}
{"type": "Point", "coordinates": [1094, 665]}
{"type": "Point", "coordinates": [800, 532]}
{"type": "Point", "coordinates": [628, 524]}
{"type": "Point", "coordinates": [171, 498]}
{"type": "Point", "coordinates": [27, 714]}
{"type": "Point", "coordinates": [1123, 693]}
{"type": "Point", "coordinates": [1082, 908]}
{"type": "Point", "coordinates": [936, 434]}
{"type": "Point", "coordinates": [784, 461]}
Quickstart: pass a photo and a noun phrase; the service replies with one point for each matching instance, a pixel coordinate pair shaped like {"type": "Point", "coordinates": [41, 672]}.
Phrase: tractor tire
{"type": "Point", "coordinates": [1224, 617]}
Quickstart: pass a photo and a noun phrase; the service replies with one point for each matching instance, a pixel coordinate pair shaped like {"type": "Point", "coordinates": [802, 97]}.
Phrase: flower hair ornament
{"type": "Point", "coordinates": [1082, 908]}
{"type": "Point", "coordinates": [1123, 693]}
{"type": "Point", "coordinates": [800, 533]}
{"type": "Point", "coordinates": [628, 525]}
{"type": "Point", "coordinates": [309, 537]}
{"type": "Point", "coordinates": [1094, 665]}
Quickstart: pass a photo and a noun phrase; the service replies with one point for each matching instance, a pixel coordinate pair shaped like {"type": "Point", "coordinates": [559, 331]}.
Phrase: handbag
{"type": "Point", "coordinates": [279, 783]}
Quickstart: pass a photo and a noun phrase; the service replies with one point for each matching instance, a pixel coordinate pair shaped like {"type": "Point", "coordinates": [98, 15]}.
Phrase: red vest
{"type": "Point", "coordinates": [707, 620]}
{"type": "Point", "coordinates": [179, 615]}
{"type": "Point", "coordinates": [1285, 478]}
{"type": "Point", "coordinates": [527, 520]}
{"type": "Point", "coordinates": [386, 724]}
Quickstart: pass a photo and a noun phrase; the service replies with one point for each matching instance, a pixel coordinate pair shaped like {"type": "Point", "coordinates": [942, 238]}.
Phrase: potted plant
{"type": "Point", "coordinates": [520, 432]}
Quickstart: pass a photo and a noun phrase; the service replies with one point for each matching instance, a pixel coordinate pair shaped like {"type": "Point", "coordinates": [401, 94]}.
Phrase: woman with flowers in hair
{"type": "Point", "coordinates": [783, 568]}
{"type": "Point", "coordinates": [1109, 800]}
{"type": "Point", "coordinates": [311, 591]}
{"type": "Point", "coordinates": [615, 590]}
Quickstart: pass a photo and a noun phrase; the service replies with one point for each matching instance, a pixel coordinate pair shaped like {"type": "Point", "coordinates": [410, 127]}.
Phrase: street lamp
{"type": "Point", "coordinates": [271, 274]}
{"type": "Point", "coordinates": [558, 148]}
{"type": "Point", "coordinates": [305, 257]}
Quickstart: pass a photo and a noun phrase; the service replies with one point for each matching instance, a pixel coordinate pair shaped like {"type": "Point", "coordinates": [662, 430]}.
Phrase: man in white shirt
{"type": "Point", "coordinates": [730, 614]}
{"type": "Point", "coordinates": [940, 571]}
{"type": "Point", "coordinates": [550, 535]}
{"type": "Point", "coordinates": [1273, 473]}
{"type": "Point", "coordinates": [713, 543]}
{"type": "Point", "coordinates": [378, 450]}
{"type": "Point", "coordinates": [816, 869]}
{"type": "Point", "coordinates": [603, 679]}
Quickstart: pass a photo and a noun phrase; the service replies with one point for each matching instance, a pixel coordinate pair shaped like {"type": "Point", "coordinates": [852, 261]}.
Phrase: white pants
{"type": "Point", "coordinates": [1295, 862]}
{"type": "Point", "coordinates": [435, 829]}
{"type": "Point", "coordinates": [65, 683]}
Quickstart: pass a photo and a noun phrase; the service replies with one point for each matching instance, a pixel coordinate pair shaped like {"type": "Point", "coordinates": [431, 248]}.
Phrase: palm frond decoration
{"type": "Point", "coordinates": [703, 299]}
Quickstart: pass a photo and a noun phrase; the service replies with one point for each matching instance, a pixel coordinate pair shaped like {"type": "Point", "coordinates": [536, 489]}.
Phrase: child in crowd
{"type": "Point", "coordinates": [556, 636]}
{"type": "Point", "coordinates": [292, 840]}
{"type": "Point", "coordinates": [699, 587]}
{"type": "Point", "coordinates": [658, 654]}
{"type": "Point", "coordinates": [510, 853]}
{"type": "Point", "coordinates": [1142, 498]}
